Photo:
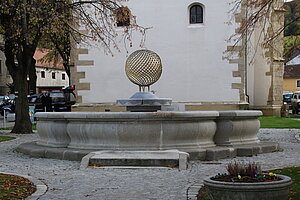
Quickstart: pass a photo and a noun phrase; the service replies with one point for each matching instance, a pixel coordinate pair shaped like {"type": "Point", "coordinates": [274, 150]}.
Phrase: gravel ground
{"type": "Point", "coordinates": [66, 181]}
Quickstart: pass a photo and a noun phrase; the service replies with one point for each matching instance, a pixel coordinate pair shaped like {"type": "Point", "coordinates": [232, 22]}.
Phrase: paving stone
{"type": "Point", "coordinates": [66, 181]}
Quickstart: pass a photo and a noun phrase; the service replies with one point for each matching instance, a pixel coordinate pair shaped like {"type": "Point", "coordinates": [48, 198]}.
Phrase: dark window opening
{"type": "Point", "coordinates": [53, 75]}
{"type": "Point", "coordinates": [196, 14]}
{"type": "Point", "coordinates": [122, 15]}
{"type": "Point", "coordinates": [63, 76]}
{"type": "Point", "coordinates": [43, 74]}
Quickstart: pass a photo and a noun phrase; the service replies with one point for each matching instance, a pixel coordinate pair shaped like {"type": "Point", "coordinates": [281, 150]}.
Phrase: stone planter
{"type": "Point", "coordinates": [277, 190]}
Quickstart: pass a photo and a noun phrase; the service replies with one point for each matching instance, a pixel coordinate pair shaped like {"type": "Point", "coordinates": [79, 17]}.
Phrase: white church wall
{"type": "Point", "coordinates": [193, 68]}
{"type": "Point", "coordinates": [258, 66]}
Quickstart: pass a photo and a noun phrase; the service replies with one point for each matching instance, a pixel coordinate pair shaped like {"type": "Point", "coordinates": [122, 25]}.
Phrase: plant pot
{"type": "Point", "coordinates": [276, 190]}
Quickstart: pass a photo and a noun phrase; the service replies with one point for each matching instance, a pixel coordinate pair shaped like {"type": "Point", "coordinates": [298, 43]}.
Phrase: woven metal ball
{"type": "Point", "coordinates": [143, 67]}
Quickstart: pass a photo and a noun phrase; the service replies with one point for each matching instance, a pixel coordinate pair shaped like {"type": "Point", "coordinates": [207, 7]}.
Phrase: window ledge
{"type": "Point", "coordinates": [196, 26]}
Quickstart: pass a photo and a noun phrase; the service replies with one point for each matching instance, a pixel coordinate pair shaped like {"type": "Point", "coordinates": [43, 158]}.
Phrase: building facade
{"type": "Point", "coordinates": [5, 78]}
{"type": "Point", "coordinates": [50, 76]}
{"type": "Point", "coordinates": [191, 37]}
{"type": "Point", "coordinates": [291, 78]}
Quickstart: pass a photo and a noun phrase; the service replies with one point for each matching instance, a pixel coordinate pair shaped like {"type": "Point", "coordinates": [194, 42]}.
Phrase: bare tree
{"type": "Point", "coordinates": [24, 22]}
{"type": "Point", "coordinates": [260, 15]}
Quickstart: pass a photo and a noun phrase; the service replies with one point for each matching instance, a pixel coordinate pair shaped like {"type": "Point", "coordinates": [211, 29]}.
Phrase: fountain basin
{"type": "Point", "coordinates": [205, 135]}
{"type": "Point", "coordinates": [237, 127]}
{"type": "Point", "coordinates": [184, 131]}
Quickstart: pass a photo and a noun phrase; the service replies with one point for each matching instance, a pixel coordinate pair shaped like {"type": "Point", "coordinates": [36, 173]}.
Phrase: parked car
{"type": "Point", "coordinates": [1, 101]}
{"type": "Point", "coordinates": [60, 101]}
{"type": "Point", "coordinates": [10, 108]}
{"type": "Point", "coordinates": [36, 100]}
{"type": "Point", "coordinates": [287, 98]}
{"type": "Point", "coordinates": [9, 104]}
{"type": "Point", "coordinates": [295, 102]}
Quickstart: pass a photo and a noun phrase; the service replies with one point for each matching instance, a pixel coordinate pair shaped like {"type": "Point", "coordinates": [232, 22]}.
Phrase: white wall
{"type": "Point", "coordinates": [193, 68]}
{"type": "Point", "coordinates": [48, 81]}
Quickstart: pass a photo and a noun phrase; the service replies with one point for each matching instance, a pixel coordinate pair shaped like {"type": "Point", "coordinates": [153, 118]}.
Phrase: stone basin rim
{"type": "Point", "coordinates": [153, 115]}
{"type": "Point", "coordinates": [134, 115]}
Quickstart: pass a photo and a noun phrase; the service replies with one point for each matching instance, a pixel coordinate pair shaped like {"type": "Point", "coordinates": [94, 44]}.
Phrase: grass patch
{"type": "Point", "coordinates": [6, 138]}
{"type": "Point", "coordinates": [203, 194]}
{"type": "Point", "coordinates": [34, 126]}
{"type": "Point", "coordinates": [294, 173]}
{"type": "Point", "coordinates": [293, 116]}
{"type": "Point", "coordinates": [7, 128]}
{"type": "Point", "coordinates": [15, 187]}
{"type": "Point", "coordinates": [278, 122]}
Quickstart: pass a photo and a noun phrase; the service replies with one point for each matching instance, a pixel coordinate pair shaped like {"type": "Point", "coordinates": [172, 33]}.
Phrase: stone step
{"type": "Point", "coordinates": [168, 158]}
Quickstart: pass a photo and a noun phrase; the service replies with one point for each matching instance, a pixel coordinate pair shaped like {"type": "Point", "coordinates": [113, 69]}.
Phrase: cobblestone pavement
{"type": "Point", "coordinates": [66, 181]}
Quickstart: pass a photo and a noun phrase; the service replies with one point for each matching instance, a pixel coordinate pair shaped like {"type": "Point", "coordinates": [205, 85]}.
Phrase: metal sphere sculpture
{"type": "Point", "coordinates": [143, 68]}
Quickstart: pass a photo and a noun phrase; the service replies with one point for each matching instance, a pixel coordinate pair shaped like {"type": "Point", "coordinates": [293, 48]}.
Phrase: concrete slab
{"type": "Point", "coordinates": [218, 153]}
{"type": "Point", "coordinates": [137, 158]}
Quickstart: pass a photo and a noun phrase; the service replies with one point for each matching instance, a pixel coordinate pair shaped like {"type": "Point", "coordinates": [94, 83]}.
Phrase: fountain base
{"type": "Point", "coordinates": [144, 102]}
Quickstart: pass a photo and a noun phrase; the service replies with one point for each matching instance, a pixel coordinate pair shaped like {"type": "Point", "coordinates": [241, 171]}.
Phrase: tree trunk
{"type": "Point", "coordinates": [32, 78]}
{"type": "Point", "coordinates": [22, 123]}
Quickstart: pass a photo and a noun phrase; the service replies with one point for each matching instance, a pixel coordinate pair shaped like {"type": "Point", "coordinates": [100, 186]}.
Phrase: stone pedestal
{"type": "Point", "coordinates": [144, 102]}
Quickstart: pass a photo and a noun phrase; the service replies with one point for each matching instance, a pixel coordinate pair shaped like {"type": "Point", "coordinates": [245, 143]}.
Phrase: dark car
{"type": "Point", "coordinates": [60, 102]}
{"type": "Point", "coordinates": [296, 102]}
{"type": "Point", "coordinates": [287, 98]}
{"type": "Point", "coordinates": [36, 100]}
{"type": "Point", "coordinates": [8, 104]}
{"type": "Point", "coordinates": [1, 101]}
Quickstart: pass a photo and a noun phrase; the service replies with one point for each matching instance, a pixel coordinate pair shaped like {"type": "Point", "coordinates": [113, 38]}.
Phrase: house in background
{"type": "Point", "coordinates": [291, 78]}
{"type": "Point", "coordinates": [191, 38]}
{"type": "Point", "coordinates": [50, 76]}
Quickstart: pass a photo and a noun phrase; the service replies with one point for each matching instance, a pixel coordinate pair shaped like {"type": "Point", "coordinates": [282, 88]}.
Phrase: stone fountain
{"type": "Point", "coordinates": [146, 135]}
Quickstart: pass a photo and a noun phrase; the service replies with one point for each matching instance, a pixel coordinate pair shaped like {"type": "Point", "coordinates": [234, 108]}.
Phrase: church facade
{"type": "Point", "coordinates": [191, 38]}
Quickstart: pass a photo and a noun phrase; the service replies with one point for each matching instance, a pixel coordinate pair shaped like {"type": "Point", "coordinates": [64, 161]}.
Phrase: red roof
{"type": "Point", "coordinates": [40, 53]}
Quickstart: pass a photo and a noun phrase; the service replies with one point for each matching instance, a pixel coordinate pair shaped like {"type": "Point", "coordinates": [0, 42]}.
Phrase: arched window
{"type": "Point", "coordinates": [196, 14]}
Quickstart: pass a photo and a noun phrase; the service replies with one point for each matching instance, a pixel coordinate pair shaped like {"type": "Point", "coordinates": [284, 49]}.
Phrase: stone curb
{"type": "Point", "coordinates": [193, 191]}
{"type": "Point", "coordinates": [297, 136]}
{"type": "Point", "coordinates": [5, 132]}
{"type": "Point", "coordinates": [8, 132]}
{"type": "Point", "coordinates": [41, 188]}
